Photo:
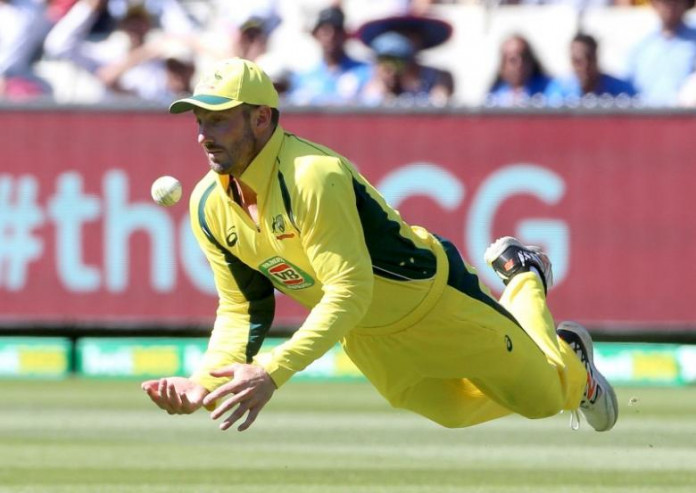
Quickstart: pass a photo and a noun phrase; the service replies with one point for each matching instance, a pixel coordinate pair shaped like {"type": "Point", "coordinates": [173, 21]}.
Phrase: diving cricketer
{"type": "Point", "coordinates": [276, 211]}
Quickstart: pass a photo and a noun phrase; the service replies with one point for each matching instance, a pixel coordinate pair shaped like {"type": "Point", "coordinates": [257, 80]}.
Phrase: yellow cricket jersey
{"type": "Point", "coordinates": [326, 238]}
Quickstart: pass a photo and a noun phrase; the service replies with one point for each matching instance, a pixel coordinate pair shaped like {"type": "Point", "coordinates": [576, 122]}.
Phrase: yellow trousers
{"type": "Point", "coordinates": [469, 361]}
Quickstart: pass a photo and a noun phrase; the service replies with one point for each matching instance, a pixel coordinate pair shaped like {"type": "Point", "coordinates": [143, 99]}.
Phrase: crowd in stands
{"type": "Point", "coordinates": [150, 52]}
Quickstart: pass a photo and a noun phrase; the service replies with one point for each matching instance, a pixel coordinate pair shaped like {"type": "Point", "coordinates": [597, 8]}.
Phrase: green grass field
{"type": "Point", "coordinates": [80, 436]}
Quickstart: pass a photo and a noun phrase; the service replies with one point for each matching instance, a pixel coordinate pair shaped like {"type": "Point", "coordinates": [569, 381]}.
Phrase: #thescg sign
{"type": "Point", "coordinates": [607, 196]}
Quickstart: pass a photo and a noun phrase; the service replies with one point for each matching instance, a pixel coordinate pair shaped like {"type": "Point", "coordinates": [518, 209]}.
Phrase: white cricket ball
{"type": "Point", "coordinates": [166, 191]}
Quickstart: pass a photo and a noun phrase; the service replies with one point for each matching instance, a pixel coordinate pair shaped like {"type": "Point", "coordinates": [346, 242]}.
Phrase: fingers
{"type": "Point", "coordinates": [173, 399]}
{"type": "Point", "coordinates": [166, 396]}
{"type": "Point", "coordinates": [251, 417]}
{"type": "Point", "coordinates": [229, 404]}
{"type": "Point", "coordinates": [231, 387]}
{"type": "Point", "coordinates": [186, 404]}
{"type": "Point", "coordinates": [234, 417]}
{"type": "Point", "coordinates": [152, 387]}
{"type": "Point", "coordinates": [244, 404]}
{"type": "Point", "coordinates": [251, 398]}
{"type": "Point", "coordinates": [149, 384]}
{"type": "Point", "coordinates": [154, 396]}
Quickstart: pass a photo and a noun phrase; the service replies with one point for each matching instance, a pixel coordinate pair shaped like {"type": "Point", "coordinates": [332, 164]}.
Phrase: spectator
{"type": "Point", "coordinates": [399, 79]}
{"type": "Point", "coordinates": [129, 62]}
{"type": "Point", "coordinates": [167, 15]}
{"type": "Point", "coordinates": [179, 70]}
{"type": "Point", "coordinates": [244, 31]}
{"type": "Point", "coordinates": [520, 75]}
{"type": "Point", "coordinates": [576, 4]}
{"type": "Point", "coordinates": [424, 32]}
{"type": "Point", "coordinates": [587, 78]}
{"type": "Point", "coordinates": [398, 76]}
{"type": "Point", "coordinates": [25, 24]}
{"type": "Point", "coordinates": [250, 40]}
{"type": "Point", "coordinates": [661, 63]}
{"type": "Point", "coordinates": [279, 73]}
{"type": "Point", "coordinates": [337, 78]}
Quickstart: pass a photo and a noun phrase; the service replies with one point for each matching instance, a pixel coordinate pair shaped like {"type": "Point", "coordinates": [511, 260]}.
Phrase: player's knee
{"type": "Point", "coordinates": [397, 401]}
{"type": "Point", "coordinates": [447, 418]}
{"type": "Point", "coordinates": [450, 421]}
{"type": "Point", "coordinates": [541, 413]}
{"type": "Point", "coordinates": [542, 408]}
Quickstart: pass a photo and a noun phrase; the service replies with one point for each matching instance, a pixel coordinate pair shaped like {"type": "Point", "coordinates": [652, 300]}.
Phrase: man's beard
{"type": "Point", "coordinates": [240, 160]}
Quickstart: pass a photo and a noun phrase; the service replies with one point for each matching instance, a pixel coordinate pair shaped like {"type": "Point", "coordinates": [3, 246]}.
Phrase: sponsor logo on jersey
{"type": "Point", "coordinates": [286, 274]}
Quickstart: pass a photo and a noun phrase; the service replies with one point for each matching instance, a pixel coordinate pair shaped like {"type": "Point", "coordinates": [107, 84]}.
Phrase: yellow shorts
{"type": "Point", "coordinates": [473, 358]}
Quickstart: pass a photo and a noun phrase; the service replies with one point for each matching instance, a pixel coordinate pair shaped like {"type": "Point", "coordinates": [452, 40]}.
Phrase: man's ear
{"type": "Point", "coordinates": [262, 118]}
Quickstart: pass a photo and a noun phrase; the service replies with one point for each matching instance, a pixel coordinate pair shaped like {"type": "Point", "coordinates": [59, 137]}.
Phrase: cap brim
{"type": "Point", "coordinates": [205, 101]}
{"type": "Point", "coordinates": [433, 31]}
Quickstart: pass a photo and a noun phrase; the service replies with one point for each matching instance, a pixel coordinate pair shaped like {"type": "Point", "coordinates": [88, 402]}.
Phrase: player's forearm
{"type": "Point", "coordinates": [229, 343]}
{"type": "Point", "coordinates": [327, 324]}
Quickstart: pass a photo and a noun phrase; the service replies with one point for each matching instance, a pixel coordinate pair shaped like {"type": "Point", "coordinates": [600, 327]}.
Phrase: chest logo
{"type": "Point", "coordinates": [282, 272]}
{"type": "Point", "coordinates": [278, 227]}
{"type": "Point", "coordinates": [231, 237]}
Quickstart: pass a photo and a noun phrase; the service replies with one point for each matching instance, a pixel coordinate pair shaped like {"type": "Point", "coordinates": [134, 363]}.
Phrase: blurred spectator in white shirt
{"type": "Point", "coordinates": [661, 62]}
{"type": "Point", "coordinates": [242, 29]}
{"type": "Point", "coordinates": [239, 29]}
{"type": "Point", "coordinates": [23, 27]}
{"type": "Point", "coordinates": [135, 60]}
{"type": "Point", "coordinates": [167, 15]}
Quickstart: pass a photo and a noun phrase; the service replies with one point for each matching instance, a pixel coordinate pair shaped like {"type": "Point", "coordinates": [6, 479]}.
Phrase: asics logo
{"type": "Point", "coordinates": [231, 237]}
{"type": "Point", "coordinates": [592, 390]}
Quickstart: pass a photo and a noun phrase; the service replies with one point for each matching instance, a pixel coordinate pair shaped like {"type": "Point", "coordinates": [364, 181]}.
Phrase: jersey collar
{"type": "Point", "coordinates": [258, 173]}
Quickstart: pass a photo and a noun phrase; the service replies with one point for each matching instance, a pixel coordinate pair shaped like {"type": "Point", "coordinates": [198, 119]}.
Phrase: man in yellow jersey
{"type": "Point", "coordinates": [279, 212]}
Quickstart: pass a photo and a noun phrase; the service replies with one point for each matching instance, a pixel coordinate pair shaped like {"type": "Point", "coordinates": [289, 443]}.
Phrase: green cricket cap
{"type": "Point", "coordinates": [230, 83]}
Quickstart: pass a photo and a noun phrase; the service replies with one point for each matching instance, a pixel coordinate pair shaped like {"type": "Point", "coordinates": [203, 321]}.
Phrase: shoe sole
{"type": "Point", "coordinates": [586, 339]}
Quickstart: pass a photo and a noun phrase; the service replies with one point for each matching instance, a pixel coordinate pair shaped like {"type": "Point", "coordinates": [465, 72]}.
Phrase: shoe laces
{"type": "Point", "coordinates": [574, 419]}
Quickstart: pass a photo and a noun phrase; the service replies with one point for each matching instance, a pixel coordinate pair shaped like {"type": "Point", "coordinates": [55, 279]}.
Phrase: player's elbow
{"type": "Point", "coordinates": [363, 300]}
{"type": "Point", "coordinates": [355, 295]}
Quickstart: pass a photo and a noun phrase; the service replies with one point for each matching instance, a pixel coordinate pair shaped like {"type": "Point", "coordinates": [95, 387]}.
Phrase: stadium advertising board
{"type": "Point", "coordinates": [81, 242]}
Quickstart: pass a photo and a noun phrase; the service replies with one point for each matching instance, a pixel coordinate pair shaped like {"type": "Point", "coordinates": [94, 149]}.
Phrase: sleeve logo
{"type": "Point", "coordinates": [285, 274]}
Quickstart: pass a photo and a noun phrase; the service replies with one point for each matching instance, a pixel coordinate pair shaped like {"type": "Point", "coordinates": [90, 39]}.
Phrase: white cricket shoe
{"type": "Point", "coordinates": [508, 257]}
{"type": "Point", "coordinates": [599, 405]}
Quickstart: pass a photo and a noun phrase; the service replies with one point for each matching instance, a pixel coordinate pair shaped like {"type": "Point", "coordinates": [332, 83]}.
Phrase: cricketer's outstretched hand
{"type": "Point", "coordinates": [176, 395]}
{"type": "Point", "coordinates": [251, 386]}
